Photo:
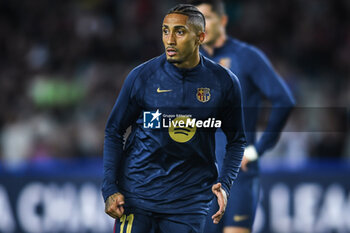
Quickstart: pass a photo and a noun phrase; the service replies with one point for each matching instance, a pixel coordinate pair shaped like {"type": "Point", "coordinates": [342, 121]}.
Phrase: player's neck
{"type": "Point", "coordinates": [218, 44]}
{"type": "Point", "coordinates": [191, 62]}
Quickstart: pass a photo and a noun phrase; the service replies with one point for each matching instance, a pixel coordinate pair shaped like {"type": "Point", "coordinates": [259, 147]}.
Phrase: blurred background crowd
{"type": "Point", "coordinates": [63, 62]}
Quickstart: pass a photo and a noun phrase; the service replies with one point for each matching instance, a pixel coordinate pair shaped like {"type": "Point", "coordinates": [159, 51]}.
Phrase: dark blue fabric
{"type": "Point", "coordinates": [243, 203]}
{"type": "Point", "coordinates": [149, 222]}
{"type": "Point", "coordinates": [258, 81]}
{"type": "Point", "coordinates": [154, 172]}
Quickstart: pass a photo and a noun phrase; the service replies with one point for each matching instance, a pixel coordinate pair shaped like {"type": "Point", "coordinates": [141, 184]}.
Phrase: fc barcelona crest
{"type": "Point", "coordinates": [203, 94]}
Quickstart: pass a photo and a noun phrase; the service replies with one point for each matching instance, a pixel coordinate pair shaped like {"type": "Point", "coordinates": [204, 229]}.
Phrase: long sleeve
{"type": "Point", "coordinates": [124, 113]}
{"type": "Point", "coordinates": [276, 91]}
{"type": "Point", "coordinates": [233, 127]}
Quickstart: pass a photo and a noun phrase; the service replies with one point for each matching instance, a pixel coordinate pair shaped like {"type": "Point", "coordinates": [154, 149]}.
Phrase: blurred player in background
{"type": "Point", "coordinates": [258, 80]}
{"type": "Point", "coordinates": [162, 181]}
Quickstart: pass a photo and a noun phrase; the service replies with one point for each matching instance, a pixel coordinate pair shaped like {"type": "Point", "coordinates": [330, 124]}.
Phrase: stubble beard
{"type": "Point", "coordinates": [212, 40]}
{"type": "Point", "coordinates": [174, 60]}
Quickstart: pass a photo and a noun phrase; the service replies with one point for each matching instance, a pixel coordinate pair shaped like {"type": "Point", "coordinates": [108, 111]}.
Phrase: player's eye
{"type": "Point", "coordinates": [180, 32]}
{"type": "Point", "coordinates": [165, 31]}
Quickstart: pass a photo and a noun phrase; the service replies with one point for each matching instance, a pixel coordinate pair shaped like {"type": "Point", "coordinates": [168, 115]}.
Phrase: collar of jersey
{"type": "Point", "coordinates": [183, 72]}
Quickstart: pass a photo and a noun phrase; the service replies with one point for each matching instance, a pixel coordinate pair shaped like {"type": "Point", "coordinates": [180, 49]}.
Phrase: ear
{"type": "Point", "coordinates": [224, 20]}
{"type": "Point", "coordinates": [201, 37]}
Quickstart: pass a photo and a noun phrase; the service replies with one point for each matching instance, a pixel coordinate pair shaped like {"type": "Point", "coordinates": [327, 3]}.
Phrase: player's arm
{"type": "Point", "coordinates": [233, 127]}
{"type": "Point", "coordinates": [273, 87]}
{"type": "Point", "coordinates": [124, 113]}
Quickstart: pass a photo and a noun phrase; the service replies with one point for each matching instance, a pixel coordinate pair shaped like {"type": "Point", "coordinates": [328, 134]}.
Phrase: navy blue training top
{"type": "Point", "coordinates": [155, 171]}
{"type": "Point", "coordinates": [258, 80]}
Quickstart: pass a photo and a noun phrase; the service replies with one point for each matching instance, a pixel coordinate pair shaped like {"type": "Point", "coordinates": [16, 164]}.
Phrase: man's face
{"type": "Point", "coordinates": [213, 26]}
{"type": "Point", "coordinates": [179, 38]}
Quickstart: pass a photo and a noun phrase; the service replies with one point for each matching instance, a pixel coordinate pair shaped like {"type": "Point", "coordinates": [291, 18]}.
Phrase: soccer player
{"type": "Point", "coordinates": [163, 179]}
{"type": "Point", "coordinates": [258, 80]}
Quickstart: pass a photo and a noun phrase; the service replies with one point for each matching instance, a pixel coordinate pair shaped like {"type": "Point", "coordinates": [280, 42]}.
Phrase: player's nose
{"type": "Point", "coordinates": [171, 39]}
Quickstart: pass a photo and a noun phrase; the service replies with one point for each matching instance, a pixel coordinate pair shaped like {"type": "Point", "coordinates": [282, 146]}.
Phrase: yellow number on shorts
{"type": "Point", "coordinates": [122, 220]}
{"type": "Point", "coordinates": [130, 220]}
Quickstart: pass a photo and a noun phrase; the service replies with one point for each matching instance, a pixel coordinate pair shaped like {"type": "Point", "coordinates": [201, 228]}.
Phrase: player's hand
{"type": "Point", "coordinates": [222, 201]}
{"type": "Point", "coordinates": [244, 163]}
{"type": "Point", "coordinates": [250, 154]}
{"type": "Point", "coordinates": [114, 205]}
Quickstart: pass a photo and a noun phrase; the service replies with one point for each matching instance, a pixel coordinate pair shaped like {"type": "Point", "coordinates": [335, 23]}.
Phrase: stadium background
{"type": "Point", "coordinates": [62, 64]}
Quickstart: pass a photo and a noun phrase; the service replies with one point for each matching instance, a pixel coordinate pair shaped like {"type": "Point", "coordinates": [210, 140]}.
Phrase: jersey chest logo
{"type": "Point", "coordinates": [203, 94]}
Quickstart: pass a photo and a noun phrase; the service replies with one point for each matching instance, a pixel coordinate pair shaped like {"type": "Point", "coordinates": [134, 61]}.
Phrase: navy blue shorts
{"type": "Point", "coordinates": [241, 205]}
{"type": "Point", "coordinates": [140, 221]}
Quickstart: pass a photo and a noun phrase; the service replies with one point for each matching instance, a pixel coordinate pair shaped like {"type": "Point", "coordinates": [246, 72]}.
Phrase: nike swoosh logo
{"type": "Point", "coordinates": [160, 91]}
{"type": "Point", "coordinates": [239, 218]}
